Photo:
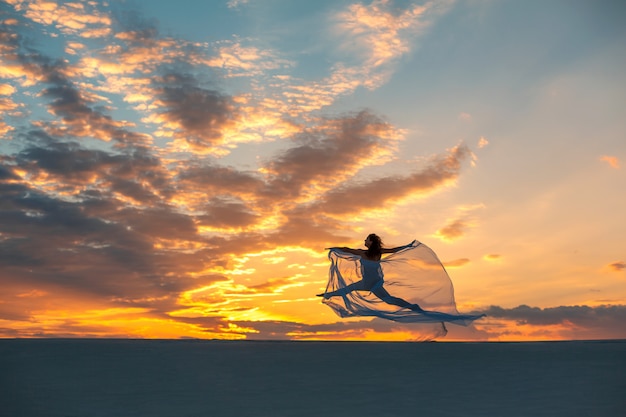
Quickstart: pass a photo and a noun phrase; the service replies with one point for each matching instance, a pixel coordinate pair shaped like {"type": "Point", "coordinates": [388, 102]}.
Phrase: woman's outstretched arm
{"type": "Point", "coordinates": [359, 252]}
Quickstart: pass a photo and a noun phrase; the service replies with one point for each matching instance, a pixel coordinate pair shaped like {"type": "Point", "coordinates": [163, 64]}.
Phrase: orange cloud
{"type": "Point", "coordinates": [457, 263]}
{"type": "Point", "coordinates": [7, 106]}
{"type": "Point", "coordinates": [457, 228]}
{"type": "Point", "coordinates": [453, 231]}
{"type": "Point", "coordinates": [5, 128]}
{"type": "Point", "coordinates": [380, 33]}
{"type": "Point", "coordinates": [6, 90]}
{"type": "Point", "coordinates": [611, 160]}
{"type": "Point", "coordinates": [80, 19]}
{"type": "Point", "coordinates": [239, 60]}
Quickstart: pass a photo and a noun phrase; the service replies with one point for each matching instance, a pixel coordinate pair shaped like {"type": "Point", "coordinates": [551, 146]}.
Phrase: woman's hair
{"type": "Point", "coordinates": [376, 248]}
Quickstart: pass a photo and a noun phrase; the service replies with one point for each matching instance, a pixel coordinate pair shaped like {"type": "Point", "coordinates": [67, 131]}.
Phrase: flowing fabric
{"type": "Point", "coordinates": [414, 274]}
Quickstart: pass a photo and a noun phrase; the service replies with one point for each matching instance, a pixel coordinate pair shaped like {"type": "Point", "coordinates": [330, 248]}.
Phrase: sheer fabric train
{"type": "Point", "coordinates": [414, 274]}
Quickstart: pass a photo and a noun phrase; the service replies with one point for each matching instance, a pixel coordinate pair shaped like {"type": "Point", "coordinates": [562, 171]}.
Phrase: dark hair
{"type": "Point", "coordinates": [376, 248]}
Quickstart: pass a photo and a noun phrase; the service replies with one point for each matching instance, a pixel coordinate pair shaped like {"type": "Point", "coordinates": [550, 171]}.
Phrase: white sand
{"type": "Point", "coordinates": [124, 378]}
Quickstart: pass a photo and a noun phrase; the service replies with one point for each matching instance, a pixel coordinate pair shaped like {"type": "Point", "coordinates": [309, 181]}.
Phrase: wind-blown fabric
{"type": "Point", "coordinates": [413, 273]}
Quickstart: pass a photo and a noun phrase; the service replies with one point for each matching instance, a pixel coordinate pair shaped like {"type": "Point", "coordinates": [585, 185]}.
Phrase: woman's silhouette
{"type": "Point", "coordinates": [372, 273]}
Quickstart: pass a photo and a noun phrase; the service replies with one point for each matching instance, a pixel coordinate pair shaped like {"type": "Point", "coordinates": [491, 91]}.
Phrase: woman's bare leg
{"type": "Point", "coordinates": [396, 301]}
{"type": "Point", "coordinates": [355, 286]}
{"type": "Point", "coordinates": [379, 292]}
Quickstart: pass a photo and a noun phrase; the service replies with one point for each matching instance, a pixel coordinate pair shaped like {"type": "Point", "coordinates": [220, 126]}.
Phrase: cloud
{"type": "Point", "coordinates": [192, 113]}
{"type": "Point", "coordinates": [374, 38]}
{"type": "Point", "coordinates": [578, 322]}
{"type": "Point", "coordinates": [219, 180]}
{"type": "Point", "coordinates": [613, 161]}
{"type": "Point", "coordinates": [64, 166]}
{"type": "Point", "coordinates": [81, 19]}
{"type": "Point", "coordinates": [233, 4]}
{"type": "Point", "coordinates": [454, 230]}
{"type": "Point", "coordinates": [353, 198]}
{"type": "Point", "coordinates": [457, 263]}
{"type": "Point", "coordinates": [222, 213]}
{"type": "Point", "coordinates": [617, 266]}
{"type": "Point", "coordinates": [298, 98]}
{"type": "Point", "coordinates": [6, 173]}
{"type": "Point", "coordinates": [380, 32]}
{"type": "Point", "coordinates": [584, 316]}
{"type": "Point", "coordinates": [73, 106]}
{"type": "Point", "coordinates": [465, 116]}
{"type": "Point", "coordinates": [239, 60]}
{"type": "Point", "coordinates": [327, 155]}
{"type": "Point", "coordinates": [8, 107]}
{"type": "Point", "coordinates": [6, 90]}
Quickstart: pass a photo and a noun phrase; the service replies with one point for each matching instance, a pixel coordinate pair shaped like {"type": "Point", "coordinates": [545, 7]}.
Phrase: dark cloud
{"type": "Point", "coordinates": [328, 154]}
{"type": "Point", "coordinates": [617, 266]}
{"type": "Point", "coordinates": [227, 213]}
{"type": "Point", "coordinates": [133, 172]}
{"type": "Point", "coordinates": [162, 222]}
{"type": "Point", "coordinates": [68, 160]}
{"type": "Point", "coordinates": [136, 29]}
{"type": "Point", "coordinates": [382, 191]}
{"type": "Point", "coordinates": [219, 180]}
{"type": "Point", "coordinates": [585, 316]}
{"type": "Point", "coordinates": [7, 173]}
{"type": "Point", "coordinates": [208, 324]}
{"type": "Point", "coordinates": [76, 112]}
{"type": "Point", "coordinates": [200, 115]}
{"type": "Point", "coordinates": [63, 246]}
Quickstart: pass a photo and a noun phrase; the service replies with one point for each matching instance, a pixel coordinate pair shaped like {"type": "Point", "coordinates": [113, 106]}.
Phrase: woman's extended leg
{"type": "Point", "coordinates": [382, 293]}
{"type": "Point", "coordinates": [355, 286]}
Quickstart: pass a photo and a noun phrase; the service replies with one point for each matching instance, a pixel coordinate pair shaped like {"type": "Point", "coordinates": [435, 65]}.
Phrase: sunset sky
{"type": "Point", "coordinates": [175, 169]}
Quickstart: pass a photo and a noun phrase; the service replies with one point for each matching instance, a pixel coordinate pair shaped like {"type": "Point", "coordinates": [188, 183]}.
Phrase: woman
{"type": "Point", "coordinates": [372, 273]}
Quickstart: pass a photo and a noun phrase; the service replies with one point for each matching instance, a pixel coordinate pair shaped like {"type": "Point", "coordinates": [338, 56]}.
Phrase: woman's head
{"type": "Point", "coordinates": [374, 244]}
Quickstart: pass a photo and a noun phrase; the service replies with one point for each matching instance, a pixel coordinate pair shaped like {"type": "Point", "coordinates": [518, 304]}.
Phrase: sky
{"type": "Point", "coordinates": [177, 169]}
